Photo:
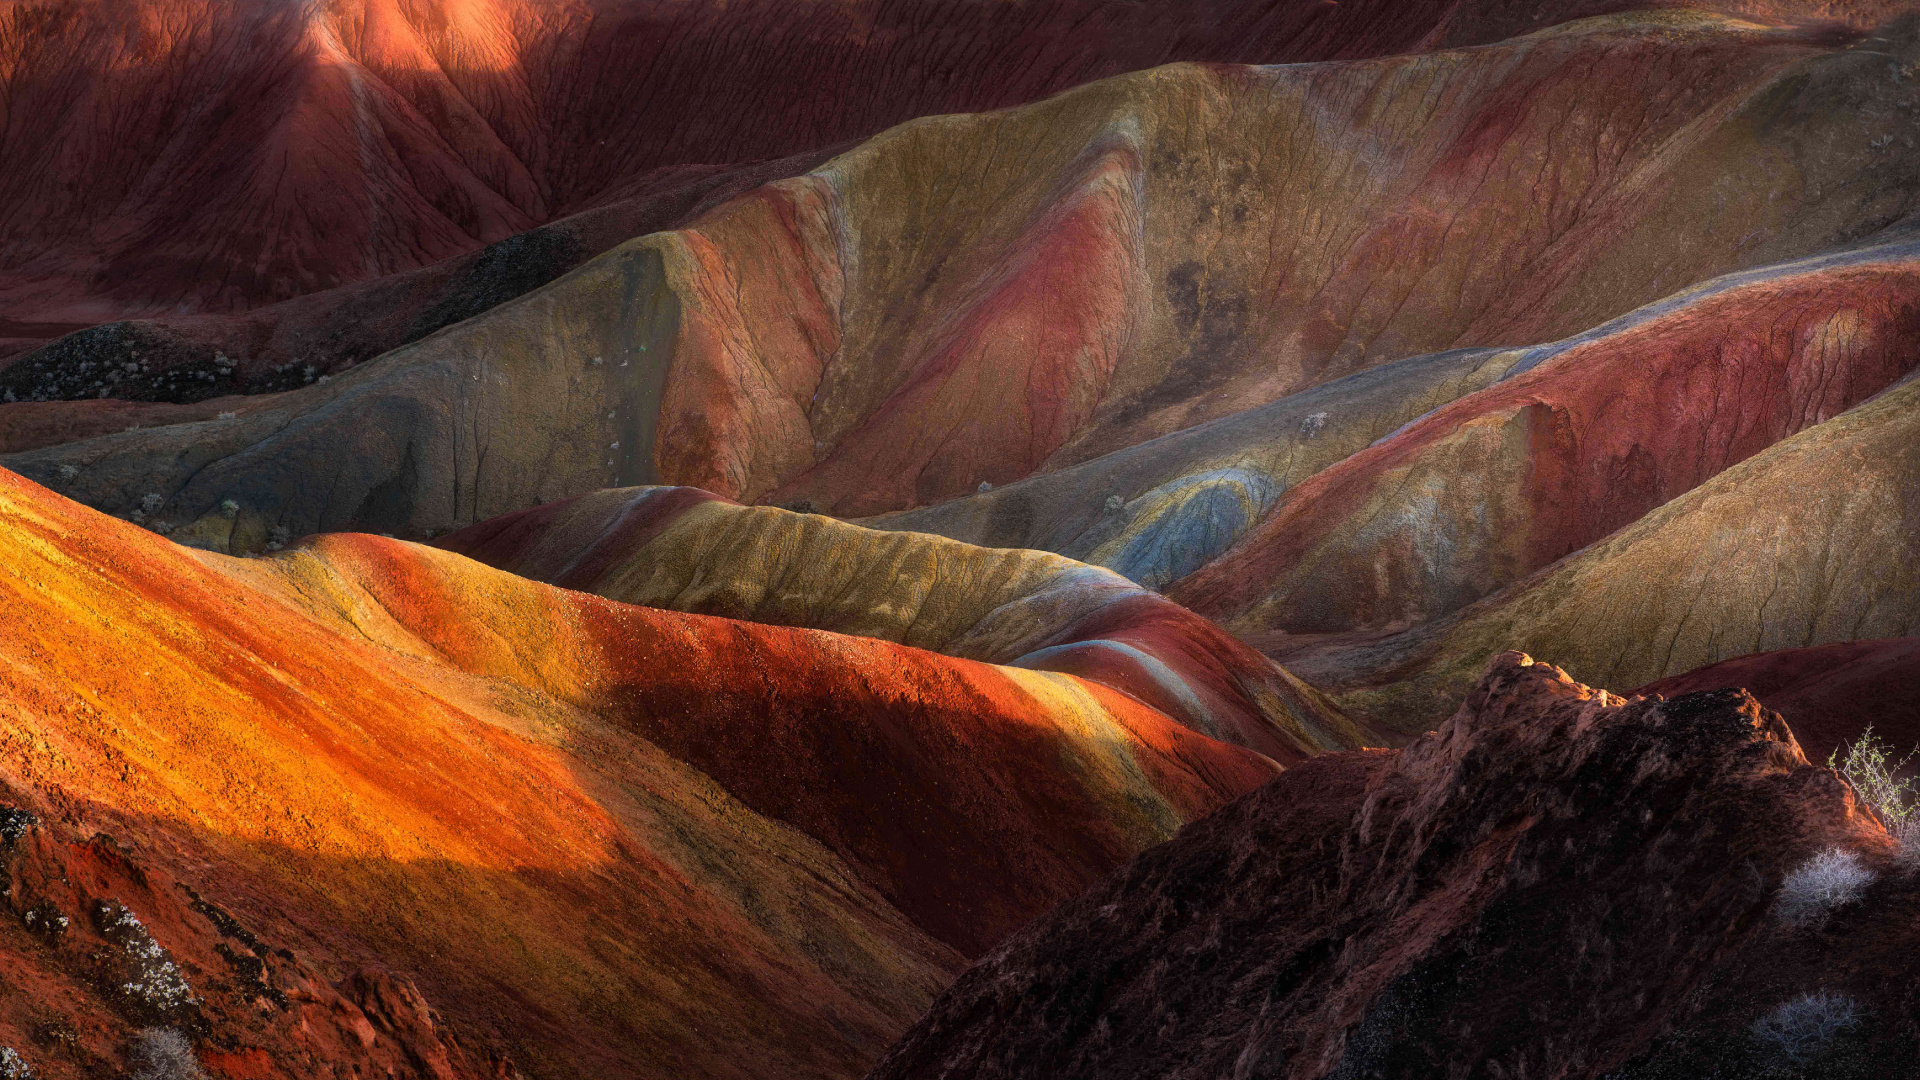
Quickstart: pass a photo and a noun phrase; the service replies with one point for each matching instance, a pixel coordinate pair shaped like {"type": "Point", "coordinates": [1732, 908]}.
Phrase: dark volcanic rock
{"type": "Point", "coordinates": [1557, 883]}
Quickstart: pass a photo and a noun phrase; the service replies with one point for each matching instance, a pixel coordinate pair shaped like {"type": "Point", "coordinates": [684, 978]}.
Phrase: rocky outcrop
{"type": "Point", "coordinates": [1829, 693]}
{"type": "Point", "coordinates": [1555, 884]}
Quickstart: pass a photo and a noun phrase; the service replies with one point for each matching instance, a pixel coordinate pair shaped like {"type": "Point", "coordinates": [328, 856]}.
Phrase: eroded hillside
{"type": "Point", "coordinates": [674, 539]}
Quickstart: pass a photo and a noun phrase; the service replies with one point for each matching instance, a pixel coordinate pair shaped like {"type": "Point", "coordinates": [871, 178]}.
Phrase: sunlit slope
{"type": "Point", "coordinates": [981, 297]}
{"type": "Point", "coordinates": [614, 838]}
{"type": "Point", "coordinates": [687, 550]}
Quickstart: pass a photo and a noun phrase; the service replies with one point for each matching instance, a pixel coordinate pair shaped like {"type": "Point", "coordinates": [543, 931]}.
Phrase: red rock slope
{"type": "Point", "coordinates": [1556, 883]}
{"type": "Point", "coordinates": [589, 838]}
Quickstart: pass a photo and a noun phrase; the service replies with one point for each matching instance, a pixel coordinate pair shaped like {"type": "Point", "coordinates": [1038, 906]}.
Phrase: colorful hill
{"type": "Point", "coordinates": [1160, 510]}
{"type": "Point", "coordinates": [1576, 440]}
{"type": "Point", "coordinates": [590, 835]}
{"type": "Point", "coordinates": [687, 550]}
{"type": "Point", "coordinates": [643, 537]}
{"type": "Point", "coordinates": [976, 298]}
{"type": "Point", "coordinates": [243, 152]}
{"type": "Point", "coordinates": [1809, 542]}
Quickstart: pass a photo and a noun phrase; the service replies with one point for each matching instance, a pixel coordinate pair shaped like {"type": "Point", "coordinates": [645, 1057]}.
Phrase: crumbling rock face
{"type": "Point", "coordinates": [1555, 884]}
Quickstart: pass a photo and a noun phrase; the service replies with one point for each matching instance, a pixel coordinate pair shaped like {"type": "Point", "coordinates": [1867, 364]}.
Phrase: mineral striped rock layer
{"type": "Point", "coordinates": [239, 152]}
{"type": "Point", "coordinates": [668, 538]}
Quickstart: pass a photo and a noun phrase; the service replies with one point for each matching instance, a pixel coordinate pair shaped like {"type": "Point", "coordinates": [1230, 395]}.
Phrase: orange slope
{"type": "Point", "coordinates": [599, 838]}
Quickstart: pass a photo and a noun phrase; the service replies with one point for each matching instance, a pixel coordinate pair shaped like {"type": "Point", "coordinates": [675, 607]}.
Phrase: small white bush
{"type": "Point", "coordinates": [1802, 1029]}
{"type": "Point", "coordinates": [163, 1054]}
{"type": "Point", "coordinates": [1831, 879]}
{"type": "Point", "coordinates": [1907, 835]}
{"type": "Point", "coordinates": [13, 1066]}
{"type": "Point", "coordinates": [155, 984]}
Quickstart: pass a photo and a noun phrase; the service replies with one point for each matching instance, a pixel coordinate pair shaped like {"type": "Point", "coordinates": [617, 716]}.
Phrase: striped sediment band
{"type": "Point", "coordinates": [690, 551]}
